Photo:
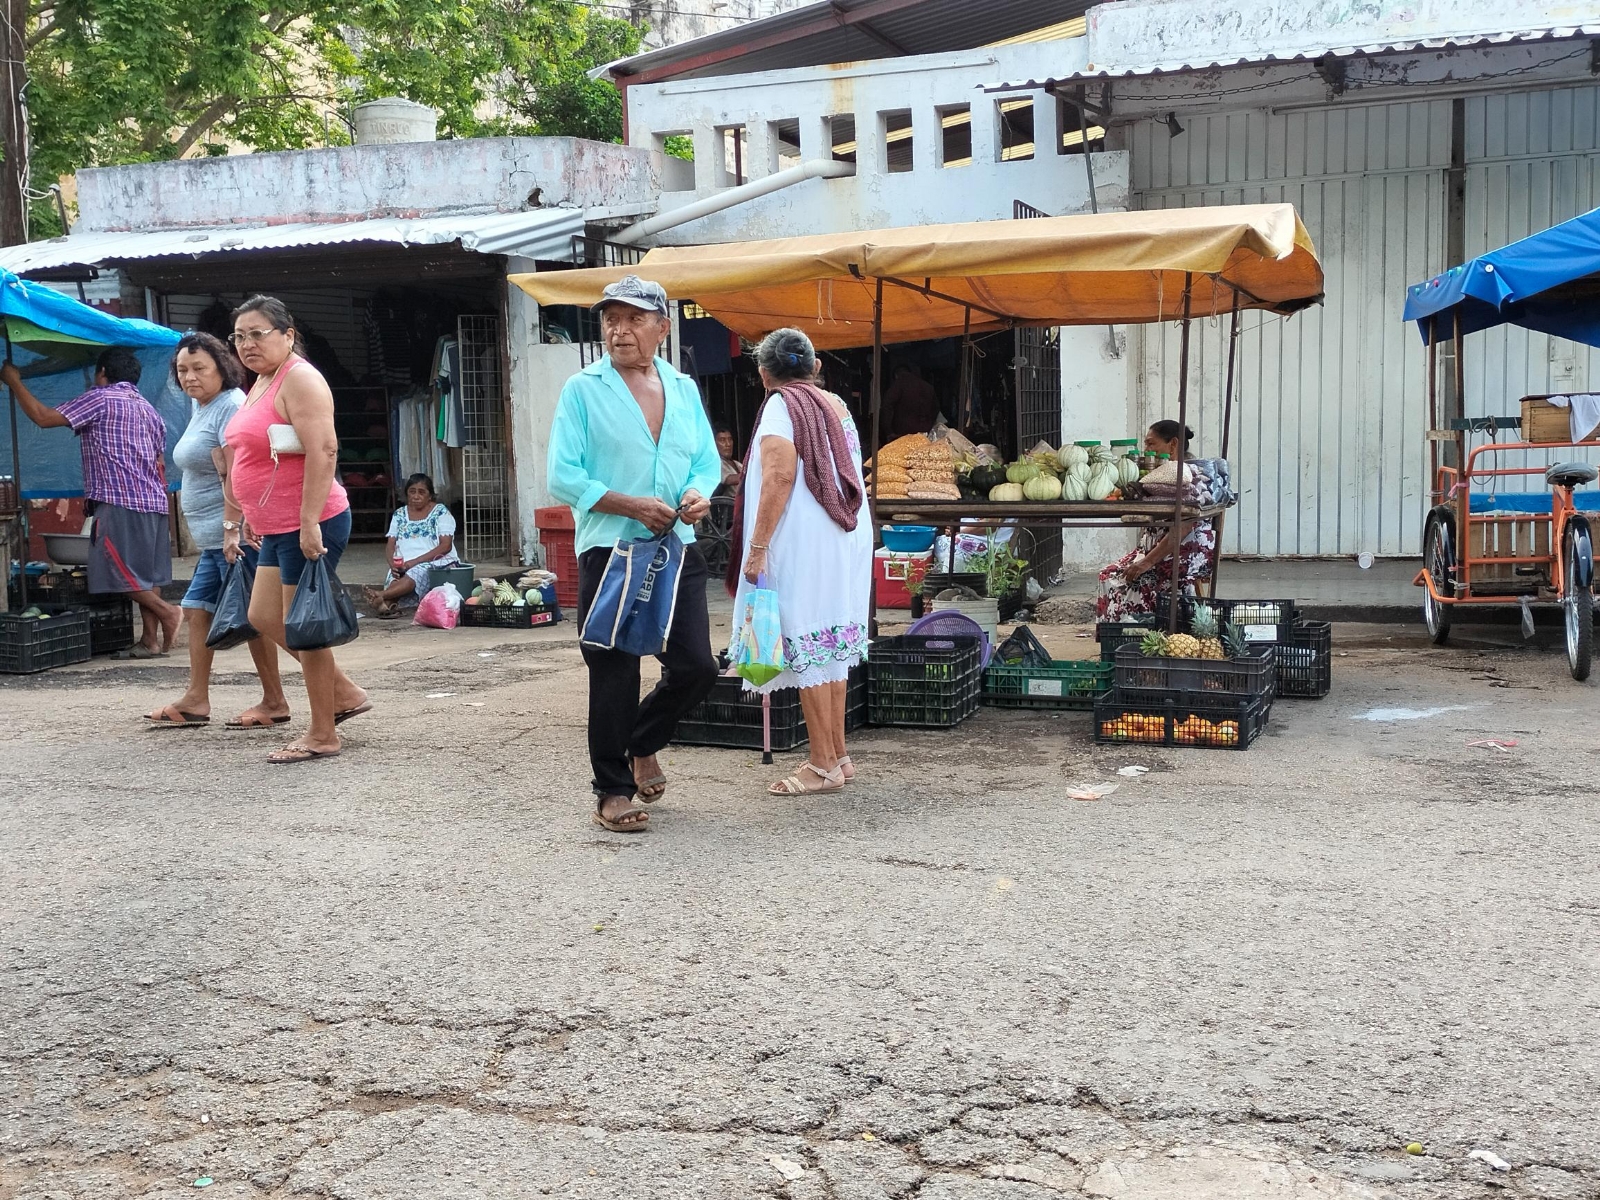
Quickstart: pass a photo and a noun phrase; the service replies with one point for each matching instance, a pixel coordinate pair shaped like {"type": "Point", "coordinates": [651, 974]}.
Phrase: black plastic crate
{"type": "Point", "coordinates": [731, 716]}
{"type": "Point", "coordinates": [923, 682]}
{"type": "Point", "coordinates": [1253, 675]}
{"type": "Point", "coordinates": [1113, 635]}
{"type": "Point", "coordinates": [29, 644]}
{"type": "Point", "coordinates": [59, 585]}
{"type": "Point", "coordinates": [855, 699]}
{"type": "Point", "coordinates": [1255, 616]}
{"type": "Point", "coordinates": [1183, 719]}
{"type": "Point", "coordinates": [110, 621]}
{"type": "Point", "coordinates": [1305, 661]}
{"type": "Point", "coordinates": [509, 616]}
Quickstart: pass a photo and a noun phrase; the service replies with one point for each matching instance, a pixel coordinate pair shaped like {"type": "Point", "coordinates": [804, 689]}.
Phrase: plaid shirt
{"type": "Point", "coordinates": [123, 440]}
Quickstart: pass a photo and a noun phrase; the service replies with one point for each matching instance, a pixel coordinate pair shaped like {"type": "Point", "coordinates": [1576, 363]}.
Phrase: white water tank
{"type": "Point", "coordinates": [393, 119]}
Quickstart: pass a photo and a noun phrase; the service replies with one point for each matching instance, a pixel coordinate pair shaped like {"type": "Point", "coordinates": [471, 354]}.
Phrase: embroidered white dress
{"type": "Point", "coordinates": [822, 574]}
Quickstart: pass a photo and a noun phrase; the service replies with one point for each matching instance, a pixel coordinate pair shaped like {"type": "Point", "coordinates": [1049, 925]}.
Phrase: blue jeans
{"type": "Point", "coordinates": [282, 550]}
{"type": "Point", "coordinates": [206, 586]}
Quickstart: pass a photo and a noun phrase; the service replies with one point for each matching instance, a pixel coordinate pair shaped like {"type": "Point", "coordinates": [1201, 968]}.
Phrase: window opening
{"type": "Point", "coordinates": [955, 136]}
{"type": "Point", "coordinates": [898, 152]}
{"type": "Point", "coordinates": [1016, 129]}
{"type": "Point", "coordinates": [735, 144]}
{"type": "Point", "coordinates": [783, 138]}
{"type": "Point", "coordinates": [842, 137]}
{"type": "Point", "coordinates": [676, 150]}
{"type": "Point", "coordinates": [1073, 125]}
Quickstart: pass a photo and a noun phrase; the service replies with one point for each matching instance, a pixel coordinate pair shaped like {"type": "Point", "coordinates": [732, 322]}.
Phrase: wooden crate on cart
{"type": "Point", "coordinates": [1512, 535]}
{"type": "Point", "coordinates": [1544, 422]}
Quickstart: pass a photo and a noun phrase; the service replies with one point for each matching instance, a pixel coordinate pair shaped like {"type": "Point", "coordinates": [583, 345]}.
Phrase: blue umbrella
{"type": "Point", "coordinates": [55, 332]}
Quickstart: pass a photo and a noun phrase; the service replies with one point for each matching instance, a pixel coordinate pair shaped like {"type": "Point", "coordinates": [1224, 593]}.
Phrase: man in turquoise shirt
{"type": "Point", "coordinates": [632, 454]}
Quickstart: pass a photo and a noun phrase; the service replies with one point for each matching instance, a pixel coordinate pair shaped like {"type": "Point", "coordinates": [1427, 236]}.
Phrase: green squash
{"type": "Point", "coordinates": [988, 477]}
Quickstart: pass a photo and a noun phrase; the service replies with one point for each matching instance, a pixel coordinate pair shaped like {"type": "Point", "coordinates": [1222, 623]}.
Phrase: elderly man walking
{"type": "Point", "coordinates": [633, 455]}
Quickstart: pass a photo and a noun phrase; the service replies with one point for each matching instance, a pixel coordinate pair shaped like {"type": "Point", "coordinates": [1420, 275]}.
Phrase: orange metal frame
{"type": "Point", "coordinates": [1454, 487]}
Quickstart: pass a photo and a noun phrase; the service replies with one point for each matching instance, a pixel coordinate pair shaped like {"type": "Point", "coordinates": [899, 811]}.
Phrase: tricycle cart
{"type": "Point", "coordinates": [1482, 546]}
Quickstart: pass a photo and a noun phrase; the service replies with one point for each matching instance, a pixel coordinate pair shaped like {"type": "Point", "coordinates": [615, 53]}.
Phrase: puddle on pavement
{"type": "Point", "coordinates": [1411, 714]}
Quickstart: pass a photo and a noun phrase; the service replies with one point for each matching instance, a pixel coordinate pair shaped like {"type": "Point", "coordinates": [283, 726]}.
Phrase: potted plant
{"type": "Point", "coordinates": [1005, 576]}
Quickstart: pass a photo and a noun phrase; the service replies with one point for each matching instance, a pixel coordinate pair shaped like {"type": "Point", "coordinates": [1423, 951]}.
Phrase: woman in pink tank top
{"type": "Point", "coordinates": [293, 509]}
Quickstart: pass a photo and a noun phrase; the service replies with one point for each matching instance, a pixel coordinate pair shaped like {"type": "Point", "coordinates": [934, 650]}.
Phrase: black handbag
{"type": "Point", "coordinates": [322, 615]}
{"type": "Point", "coordinates": [230, 624]}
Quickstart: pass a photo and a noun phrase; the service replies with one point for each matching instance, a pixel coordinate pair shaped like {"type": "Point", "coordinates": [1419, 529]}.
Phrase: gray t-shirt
{"type": "Point", "coordinates": [201, 497]}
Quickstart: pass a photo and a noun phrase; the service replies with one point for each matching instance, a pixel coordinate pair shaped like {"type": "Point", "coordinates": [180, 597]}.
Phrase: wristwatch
{"type": "Point", "coordinates": [230, 526]}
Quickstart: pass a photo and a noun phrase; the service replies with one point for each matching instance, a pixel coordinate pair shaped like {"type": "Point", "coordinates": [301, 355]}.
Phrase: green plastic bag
{"type": "Point", "coordinates": [758, 654]}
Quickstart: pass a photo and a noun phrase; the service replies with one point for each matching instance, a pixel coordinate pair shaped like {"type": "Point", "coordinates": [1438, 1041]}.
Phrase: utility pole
{"type": "Point", "coordinates": [13, 123]}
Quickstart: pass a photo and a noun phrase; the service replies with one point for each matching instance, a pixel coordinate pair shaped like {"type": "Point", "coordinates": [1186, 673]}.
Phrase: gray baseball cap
{"type": "Point", "coordinates": [640, 293]}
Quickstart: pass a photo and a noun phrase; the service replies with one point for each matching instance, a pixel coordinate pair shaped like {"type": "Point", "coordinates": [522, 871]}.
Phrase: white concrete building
{"type": "Point", "coordinates": [381, 252]}
{"type": "Point", "coordinates": [1410, 134]}
{"type": "Point", "coordinates": [669, 22]}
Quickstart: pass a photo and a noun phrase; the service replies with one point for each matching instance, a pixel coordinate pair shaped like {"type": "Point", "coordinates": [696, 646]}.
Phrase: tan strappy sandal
{"type": "Point", "coordinates": [832, 781]}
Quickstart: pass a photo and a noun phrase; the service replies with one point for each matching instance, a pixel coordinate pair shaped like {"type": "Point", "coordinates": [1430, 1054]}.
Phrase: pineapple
{"type": "Point", "coordinates": [1153, 644]}
{"type": "Point", "coordinates": [1204, 627]}
{"type": "Point", "coordinates": [1233, 639]}
{"type": "Point", "coordinates": [1183, 645]}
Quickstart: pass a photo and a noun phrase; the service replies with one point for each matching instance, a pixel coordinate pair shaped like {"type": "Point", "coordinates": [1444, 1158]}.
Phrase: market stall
{"type": "Point", "coordinates": [889, 286]}
{"type": "Point", "coordinates": [54, 340]}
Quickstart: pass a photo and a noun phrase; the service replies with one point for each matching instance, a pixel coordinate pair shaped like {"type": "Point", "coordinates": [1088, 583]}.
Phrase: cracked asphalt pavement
{"type": "Point", "coordinates": [418, 971]}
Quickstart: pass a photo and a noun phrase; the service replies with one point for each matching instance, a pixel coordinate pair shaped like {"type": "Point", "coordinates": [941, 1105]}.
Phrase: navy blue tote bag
{"type": "Point", "coordinates": [637, 597]}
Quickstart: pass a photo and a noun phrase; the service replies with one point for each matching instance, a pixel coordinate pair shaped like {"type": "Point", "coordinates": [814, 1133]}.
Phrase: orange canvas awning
{"type": "Point", "coordinates": [1109, 268]}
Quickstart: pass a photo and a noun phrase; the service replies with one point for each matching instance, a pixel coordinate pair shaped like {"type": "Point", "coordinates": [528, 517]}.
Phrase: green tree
{"type": "Point", "coordinates": [118, 81]}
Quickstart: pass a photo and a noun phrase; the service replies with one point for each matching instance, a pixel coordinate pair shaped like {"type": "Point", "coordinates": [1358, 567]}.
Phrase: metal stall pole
{"type": "Point", "coordinates": [1227, 429]}
{"type": "Point", "coordinates": [1183, 424]}
{"type": "Point", "coordinates": [22, 509]}
{"type": "Point", "coordinates": [1463, 484]}
{"type": "Point", "coordinates": [877, 417]}
{"type": "Point", "coordinates": [1431, 365]}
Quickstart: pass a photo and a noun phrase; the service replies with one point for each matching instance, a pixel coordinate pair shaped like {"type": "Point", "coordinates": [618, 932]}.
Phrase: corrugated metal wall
{"type": "Point", "coordinates": [1327, 445]}
{"type": "Point", "coordinates": [1327, 439]}
{"type": "Point", "coordinates": [1533, 160]}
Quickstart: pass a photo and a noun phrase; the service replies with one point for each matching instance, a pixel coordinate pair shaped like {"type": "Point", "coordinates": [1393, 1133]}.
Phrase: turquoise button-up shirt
{"type": "Point", "coordinates": [600, 443]}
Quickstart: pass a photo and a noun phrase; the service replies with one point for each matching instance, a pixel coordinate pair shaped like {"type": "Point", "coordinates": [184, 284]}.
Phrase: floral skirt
{"type": "Point", "coordinates": [1123, 599]}
{"type": "Point", "coordinates": [819, 656]}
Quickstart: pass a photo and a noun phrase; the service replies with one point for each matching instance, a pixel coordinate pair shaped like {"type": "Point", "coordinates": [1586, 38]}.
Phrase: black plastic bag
{"type": "Point", "coordinates": [322, 615]}
{"type": "Point", "coordinates": [230, 624]}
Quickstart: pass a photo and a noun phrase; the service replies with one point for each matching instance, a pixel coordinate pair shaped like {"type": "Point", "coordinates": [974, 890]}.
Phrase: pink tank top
{"type": "Point", "coordinates": [270, 493]}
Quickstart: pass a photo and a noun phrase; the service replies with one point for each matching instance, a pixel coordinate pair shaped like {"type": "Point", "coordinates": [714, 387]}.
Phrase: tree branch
{"type": "Point", "coordinates": [201, 125]}
{"type": "Point", "coordinates": [41, 33]}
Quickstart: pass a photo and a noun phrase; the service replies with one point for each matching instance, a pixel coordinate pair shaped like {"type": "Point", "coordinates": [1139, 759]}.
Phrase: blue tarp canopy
{"type": "Point", "coordinates": [54, 341]}
{"type": "Point", "coordinates": [1549, 282]}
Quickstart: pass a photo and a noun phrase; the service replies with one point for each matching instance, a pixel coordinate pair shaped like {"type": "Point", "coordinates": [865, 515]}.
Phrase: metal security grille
{"type": "Point", "coordinates": [485, 477]}
{"type": "Point", "coordinates": [1038, 384]}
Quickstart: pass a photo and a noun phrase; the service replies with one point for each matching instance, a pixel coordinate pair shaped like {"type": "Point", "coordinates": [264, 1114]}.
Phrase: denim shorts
{"type": "Point", "coordinates": [206, 585]}
{"type": "Point", "coordinates": [282, 550]}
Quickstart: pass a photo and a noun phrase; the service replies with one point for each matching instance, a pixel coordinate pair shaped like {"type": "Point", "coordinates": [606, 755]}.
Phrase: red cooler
{"type": "Point", "coordinates": [892, 570]}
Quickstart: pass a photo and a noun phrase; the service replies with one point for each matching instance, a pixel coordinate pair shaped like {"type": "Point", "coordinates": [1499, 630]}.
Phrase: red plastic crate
{"type": "Point", "coordinates": [559, 539]}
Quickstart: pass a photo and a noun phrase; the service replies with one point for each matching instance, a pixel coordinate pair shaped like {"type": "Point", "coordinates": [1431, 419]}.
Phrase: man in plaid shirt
{"type": "Point", "coordinates": [122, 440]}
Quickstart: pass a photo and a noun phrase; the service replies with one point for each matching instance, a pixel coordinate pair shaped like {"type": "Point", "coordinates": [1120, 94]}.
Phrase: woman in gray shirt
{"type": "Point", "coordinates": [212, 377]}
